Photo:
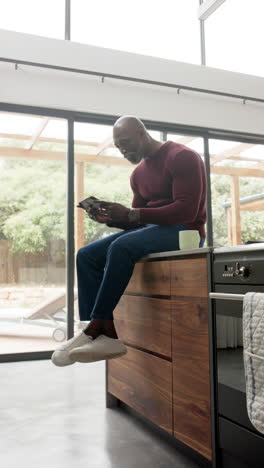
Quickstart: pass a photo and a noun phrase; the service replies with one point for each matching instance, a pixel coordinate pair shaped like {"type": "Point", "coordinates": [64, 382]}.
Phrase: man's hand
{"type": "Point", "coordinates": [112, 214]}
{"type": "Point", "coordinates": [95, 212]}
{"type": "Point", "coordinates": [117, 213]}
{"type": "Point", "coordinates": [100, 218]}
{"type": "Point", "coordinates": [98, 214]}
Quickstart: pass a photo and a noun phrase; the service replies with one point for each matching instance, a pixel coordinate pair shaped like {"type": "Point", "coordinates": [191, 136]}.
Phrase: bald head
{"type": "Point", "coordinates": [129, 122]}
{"type": "Point", "coordinates": [131, 137]}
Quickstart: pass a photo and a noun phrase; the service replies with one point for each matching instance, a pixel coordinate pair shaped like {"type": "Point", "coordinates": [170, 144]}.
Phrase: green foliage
{"type": "Point", "coordinates": [109, 183]}
{"type": "Point", "coordinates": [252, 222]}
{"type": "Point", "coordinates": [220, 193]}
{"type": "Point", "coordinates": [33, 200]}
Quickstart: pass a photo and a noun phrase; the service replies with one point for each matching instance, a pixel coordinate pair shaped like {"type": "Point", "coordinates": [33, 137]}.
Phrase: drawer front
{"type": "Point", "coordinates": [189, 277]}
{"type": "Point", "coordinates": [150, 279]}
{"type": "Point", "coordinates": [143, 382]}
{"type": "Point", "coordinates": [145, 322]}
{"type": "Point", "coordinates": [191, 380]}
{"type": "Point", "coordinates": [190, 328]}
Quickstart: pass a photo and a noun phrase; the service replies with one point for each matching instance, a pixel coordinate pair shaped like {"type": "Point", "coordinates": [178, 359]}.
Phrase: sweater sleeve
{"type": "Point", "coordinates": [187, 186]}
{"type": "Point", "coordinates": [138, 201]}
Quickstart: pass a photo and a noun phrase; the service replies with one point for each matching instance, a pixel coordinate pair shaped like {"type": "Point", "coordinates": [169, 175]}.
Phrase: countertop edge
{"type": "Point", "coordinates": [203, 250]}
{"type": "Point", "coordinates": [239, 248]}
{"type": "Point", "coordinates": [177, 253]}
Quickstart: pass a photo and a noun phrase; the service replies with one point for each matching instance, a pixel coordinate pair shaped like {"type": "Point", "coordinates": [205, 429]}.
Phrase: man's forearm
{"type": "Point", "coordinates": [131, 222]}
{"type": "Point", "coordinates": [178, 212]}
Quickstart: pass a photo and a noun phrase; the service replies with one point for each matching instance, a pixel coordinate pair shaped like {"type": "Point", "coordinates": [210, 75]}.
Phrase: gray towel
{"type": "Point", "coordinates": [253, 338]}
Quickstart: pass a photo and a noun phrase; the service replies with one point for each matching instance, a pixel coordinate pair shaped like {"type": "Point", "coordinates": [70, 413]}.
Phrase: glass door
{"type": "Point", "coordinates": [237, 188]}
{"type": "Point", "coordinates": [32, 232]}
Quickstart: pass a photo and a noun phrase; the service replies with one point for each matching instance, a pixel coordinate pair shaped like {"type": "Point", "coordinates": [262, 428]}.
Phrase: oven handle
{"type": "Point", "coordinates": [230, 297]}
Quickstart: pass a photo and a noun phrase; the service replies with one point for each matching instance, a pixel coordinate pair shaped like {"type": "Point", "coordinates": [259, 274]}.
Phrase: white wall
{"type": "Point", "coordinates": [71, 91]}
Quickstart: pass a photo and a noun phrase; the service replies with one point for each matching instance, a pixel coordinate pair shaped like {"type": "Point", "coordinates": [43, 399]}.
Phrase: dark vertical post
{"type": "Point", "coordinates": [70, 231]}
{"type": "Point", "coordinates": [213, 363]}
{"type": "Point", "coordinates": [209, 226]}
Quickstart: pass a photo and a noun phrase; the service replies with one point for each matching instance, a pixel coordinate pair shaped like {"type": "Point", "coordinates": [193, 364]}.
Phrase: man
{"type": "Point", "coordinates": [169, 187]}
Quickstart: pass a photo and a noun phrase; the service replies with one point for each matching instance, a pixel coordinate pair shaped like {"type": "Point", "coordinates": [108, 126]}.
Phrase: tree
{"type": "Point", "coordinates": [252, 222]}
{"type": "Point", "coordinates": [33, 200]}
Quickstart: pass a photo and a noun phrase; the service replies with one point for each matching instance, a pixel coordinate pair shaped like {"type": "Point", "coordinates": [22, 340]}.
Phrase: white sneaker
{"type": "Point", "coordinates": [61, 357]}
{"type": "Point", "coordinates": [99, 349]}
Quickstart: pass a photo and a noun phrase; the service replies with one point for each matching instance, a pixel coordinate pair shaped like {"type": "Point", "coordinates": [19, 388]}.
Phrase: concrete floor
{"type": "Point", "coordinates": [56, 418]}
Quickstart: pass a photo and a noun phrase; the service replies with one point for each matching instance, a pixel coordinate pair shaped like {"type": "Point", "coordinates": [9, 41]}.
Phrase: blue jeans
{"type": "Point", "coordinates": [105, 266]}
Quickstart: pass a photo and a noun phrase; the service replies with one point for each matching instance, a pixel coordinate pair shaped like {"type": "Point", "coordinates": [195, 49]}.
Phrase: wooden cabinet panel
{"type": "Point", "coordinates": [191, 424]}
{"type": "Point", "coordinates": [144, 382]}
{"type": "Point", "coordinates": [145, 322]}
{"type": "Point", "coordinates": [189, 277]}
{"type": "Point", "coordinates": [191, 381]}
{"type": "Point", "coordinates": [190, 327]}
{"type": "Point", "coordinates": [150, 279]}
{"type": "Point", "coordinates": [174, 395]}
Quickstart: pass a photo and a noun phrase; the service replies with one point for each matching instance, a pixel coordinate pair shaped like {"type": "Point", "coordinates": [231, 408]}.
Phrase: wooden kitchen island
{"type": "Point", "coordinates": [163, 319]}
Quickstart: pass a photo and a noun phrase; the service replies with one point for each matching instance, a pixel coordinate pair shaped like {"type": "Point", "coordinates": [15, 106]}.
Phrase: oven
{"type": "Point", "coordinates": [236, 270]}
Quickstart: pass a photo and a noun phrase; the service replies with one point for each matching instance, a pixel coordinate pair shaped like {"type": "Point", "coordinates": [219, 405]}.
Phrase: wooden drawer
{"type": "Point", "coordinates": [191, 380]}
{"type": "Point", "coordinates": [190, 328]}
{"type": "Point", "coordinates": [145, 322]}
{"type": "Point", "coordinates": [143, 382]}
{"type": "Point", "coordinates": [150, 279]}
{"type": "Point", "coordinates": [189, 277]}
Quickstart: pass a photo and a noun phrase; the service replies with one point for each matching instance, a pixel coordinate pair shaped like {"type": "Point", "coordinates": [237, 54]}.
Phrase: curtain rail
{"type": "Point", "coordinates": [132, 79]}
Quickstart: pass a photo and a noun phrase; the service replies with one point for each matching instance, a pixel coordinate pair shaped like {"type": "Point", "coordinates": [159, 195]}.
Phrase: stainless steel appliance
{"type": "Point", "coordinates": [236, 270]}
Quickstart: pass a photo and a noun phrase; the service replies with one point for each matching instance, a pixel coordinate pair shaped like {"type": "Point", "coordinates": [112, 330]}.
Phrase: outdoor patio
{"type": "Point", "coordinates": [19, 334]}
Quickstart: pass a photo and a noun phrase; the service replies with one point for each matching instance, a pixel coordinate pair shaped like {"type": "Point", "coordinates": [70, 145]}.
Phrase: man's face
{"type": "Point", "coordinates": [129, 143]}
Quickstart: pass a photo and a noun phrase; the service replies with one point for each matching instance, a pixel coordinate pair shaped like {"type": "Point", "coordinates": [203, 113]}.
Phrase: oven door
{"type": "Point", "coordinates": [231, 386]}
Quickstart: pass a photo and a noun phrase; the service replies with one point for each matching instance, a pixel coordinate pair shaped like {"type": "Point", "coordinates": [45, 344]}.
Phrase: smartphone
{"type": "Point", "coordinates": [88, 203]}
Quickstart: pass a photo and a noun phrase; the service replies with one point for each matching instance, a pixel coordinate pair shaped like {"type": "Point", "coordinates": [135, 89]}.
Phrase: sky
{"type": "Point", "coordinates": [234, 35]}
{"type": "Point", "coordinates": [169, 28]}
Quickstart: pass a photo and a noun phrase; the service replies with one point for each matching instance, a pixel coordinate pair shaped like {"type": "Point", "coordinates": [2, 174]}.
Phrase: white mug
{"type": "Point", "coordinates": [189, 239]}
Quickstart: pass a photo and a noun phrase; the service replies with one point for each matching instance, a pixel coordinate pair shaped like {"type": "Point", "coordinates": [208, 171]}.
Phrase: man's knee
{"type": "Point", "coordinates": [92, 255]}
{"type": "Point", "coordinates": [84, 252]}
{"type": "Point", "coordinates": [122, 245]}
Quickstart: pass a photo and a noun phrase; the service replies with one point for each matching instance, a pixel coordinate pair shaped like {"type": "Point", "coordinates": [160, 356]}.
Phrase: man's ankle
{"type": "Point", "coordinates": [101, 327]}
{"type": "Point", "coordinates": [93, 329]}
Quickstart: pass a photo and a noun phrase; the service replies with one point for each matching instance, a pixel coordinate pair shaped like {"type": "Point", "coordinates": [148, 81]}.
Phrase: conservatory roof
{"type": "Point", "coordinates": [38, 137]}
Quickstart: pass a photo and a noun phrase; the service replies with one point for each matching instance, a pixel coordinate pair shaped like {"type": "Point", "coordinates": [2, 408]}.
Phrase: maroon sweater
{"type": "Point", "coordinates": [170, 188]}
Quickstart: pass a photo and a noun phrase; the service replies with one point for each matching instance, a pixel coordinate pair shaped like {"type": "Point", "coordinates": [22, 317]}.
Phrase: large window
{"type": "Point", "coordinates": [234, 36]}
{"type": "Point", "coordinates": [33, 212]}
{"type": "Point", "coordinates": [237, 187]}
{"type": "Point", "coordinates": [32, 232]}
{"type": "Point", "coordinates": [168, 29]}
{"type": "Point", "coordinates": [39, 17]}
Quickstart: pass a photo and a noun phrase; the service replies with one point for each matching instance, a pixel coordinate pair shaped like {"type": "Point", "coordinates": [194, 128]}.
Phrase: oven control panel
{"type": "Point", "coordinates": [237, 269]}
{"type": "Point", "coordinates": [238, 272]}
